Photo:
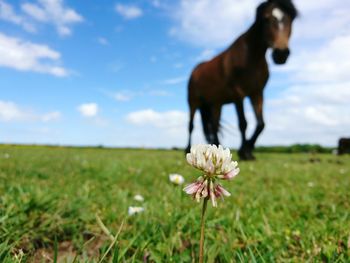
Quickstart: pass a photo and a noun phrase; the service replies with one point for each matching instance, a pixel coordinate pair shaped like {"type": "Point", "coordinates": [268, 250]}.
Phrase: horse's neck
{"type": "Point", "coordinates": [248, 51]}
{"type": "Point", "coordinates": [256, 43]}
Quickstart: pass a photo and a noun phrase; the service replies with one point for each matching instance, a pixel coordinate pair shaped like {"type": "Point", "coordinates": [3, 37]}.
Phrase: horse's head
{"type": "Point", "coordinates": [276, 17]}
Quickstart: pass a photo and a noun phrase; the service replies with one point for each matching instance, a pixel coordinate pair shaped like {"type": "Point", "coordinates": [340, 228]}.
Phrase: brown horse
{"type": "Point", "coordinates": [241, 71]}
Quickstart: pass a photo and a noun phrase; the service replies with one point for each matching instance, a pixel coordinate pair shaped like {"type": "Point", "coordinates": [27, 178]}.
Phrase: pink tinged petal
{"type": "Point", "coordinates": [205, 189]}
{"type": "Point", "coordinates": [192, 188]}
{"type": "Point", "coordinates": [212, 194]}
{"type": "Point", "coordinates": [198, 194]}
{"type": "Point", "coordinates": [222, 191]}
{"type": "Point", "coordinates": [231, 174]}
{"type": "Point", "coordinates": [205, 192]}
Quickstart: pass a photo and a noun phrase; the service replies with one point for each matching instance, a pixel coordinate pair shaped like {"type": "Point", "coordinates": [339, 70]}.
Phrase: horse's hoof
{"type": "Point", "coordinates": [245, 155]}
{"type": "Point", "coordinates": [242, 155]}
{"type": "Point", "coordinates": [251, 157]}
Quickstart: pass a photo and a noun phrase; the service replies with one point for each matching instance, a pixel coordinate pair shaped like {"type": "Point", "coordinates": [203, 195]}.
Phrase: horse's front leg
{"type": "Point", "coordinates": [257, 103]}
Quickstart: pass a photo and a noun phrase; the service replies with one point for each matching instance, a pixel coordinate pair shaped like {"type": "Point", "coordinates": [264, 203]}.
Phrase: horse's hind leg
{"type": "Point", "coordinates": [244, 152]}
{"type": "Point", "coordinates": [190, 127]}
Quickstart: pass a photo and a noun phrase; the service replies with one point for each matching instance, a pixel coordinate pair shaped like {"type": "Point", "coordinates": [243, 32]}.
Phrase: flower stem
{"type": "Point", "coordinates": [201, 243]}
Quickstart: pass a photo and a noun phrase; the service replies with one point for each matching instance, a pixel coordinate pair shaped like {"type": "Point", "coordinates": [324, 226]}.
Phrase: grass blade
{"type": "Point", "coordinates": [113, 242]}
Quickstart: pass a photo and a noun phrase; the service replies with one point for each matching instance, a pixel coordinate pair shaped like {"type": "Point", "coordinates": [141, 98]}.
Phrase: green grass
{"type": "Point", "coordinates": [283, 208]}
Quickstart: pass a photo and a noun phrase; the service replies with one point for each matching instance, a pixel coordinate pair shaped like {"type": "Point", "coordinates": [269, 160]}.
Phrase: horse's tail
{"type": "Point", "coordinates": [212, 127]}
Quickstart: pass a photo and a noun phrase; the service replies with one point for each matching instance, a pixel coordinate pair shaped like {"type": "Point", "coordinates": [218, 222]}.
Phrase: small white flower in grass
{"type": "Point", "coordinates": [216, 163]}
{"type": "Point", "coordinates": [310, 184]}
{"type": "Point", "coordinates": [139, 198]}
{"type": "Point", "coordinates": [176, 179]}
{"type": "Point", "coordinates": [342, 171]}
{"type": "Point", "coordinates": [135, 210]}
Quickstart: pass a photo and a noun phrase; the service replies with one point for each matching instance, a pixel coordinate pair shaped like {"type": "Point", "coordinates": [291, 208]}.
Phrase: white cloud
{"type": "Point", "coordinates": [160, 93]}
{"type": "Point", "coordinates": [305, 113]}
{"type": "Point", "coordinates": [331, 14]}
{"type": "Point", "coordinates": [167, 119]}
{"type": "Point", "coordinates": [153, 59]}
{"type": "Point", "coordinates": [51, 116]}
{"type": "Point", "coordinates": [156, 3]}
{"type": "Point", "coordinates": [53, 12]}
{"type": "Point", "coordinates": [178, 65]}
{"type": "Point", "coordinates": [328, 63]}
{"type": "Point", "coordinates": [7, 13]}
{"type": "Point", "coordinates": [128, 11]}
{"type": "Point", "coordinates": [116, 66]}
{"type": "Point", "coordinates": [103, 41]}
{"type": "Point", "coordinates": [212, 23]}
{"type": "Point", "coordinates": [10, 111]}
{"type": "Point", "coordinates": [127, 95]}
{"type": "Point", "coordinates": [162, 128]}
{"type": "Point", "coordinates": [122, 96]}
{"type": "Point", "coordinates": [26, 56]}
{"type": "Point", "coordinates": [174, 81]}
{"type": "Point", "coordinates": [206, 54]}
{"type": "Point", "coordinates": [88, 110]}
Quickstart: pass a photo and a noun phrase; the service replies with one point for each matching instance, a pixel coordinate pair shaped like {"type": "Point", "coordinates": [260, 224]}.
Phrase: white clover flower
{"type": "Point", "coordinates": [216, 163]}
{"type": "Point", "coordinates": [213, 161]}
{"type": "Point", "coordinates": [132, 210]}
{"type": "Point", "coordinates": [139, 198]}
{"type": "Point", "coordinates": [176, 179]}
{"type": "Point", "coordinates": [310, 184]}
{"type": "Point", "coordinates": [342, 171]}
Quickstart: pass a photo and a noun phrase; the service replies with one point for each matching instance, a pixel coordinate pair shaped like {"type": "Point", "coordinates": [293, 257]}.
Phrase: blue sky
{"type": "Point", "coordinates": [115, 72]}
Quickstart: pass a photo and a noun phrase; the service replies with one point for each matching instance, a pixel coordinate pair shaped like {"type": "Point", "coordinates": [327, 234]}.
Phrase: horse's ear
{"type": "Point", "coordinates": [260, 10]}
{"type": "Point", "coordinates": [287, 6]}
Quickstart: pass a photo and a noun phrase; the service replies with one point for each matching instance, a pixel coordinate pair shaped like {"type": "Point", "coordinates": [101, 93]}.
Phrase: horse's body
{"type": "Point", "coordinates": [238, 72]}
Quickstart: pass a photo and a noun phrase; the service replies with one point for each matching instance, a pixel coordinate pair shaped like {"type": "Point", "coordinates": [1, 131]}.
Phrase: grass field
{"type": "Point", "coordinates": [283, 208]}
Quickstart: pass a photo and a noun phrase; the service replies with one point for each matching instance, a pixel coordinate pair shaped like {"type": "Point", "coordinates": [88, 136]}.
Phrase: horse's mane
{"type": "Point", "coordinates": [286, 5]}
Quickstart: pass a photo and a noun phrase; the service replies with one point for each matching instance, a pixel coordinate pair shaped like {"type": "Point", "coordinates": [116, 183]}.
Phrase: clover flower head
{"type": "Point", "coordinates": [132, 210]}
{"type": "Point", "coordinates": [216, 163]}
{"type": "Point", "coordinates": [213, 161]}
{"type": "Point", "coordinates": [176, 179]}
{"type": "Point", "coordinates": [139, 198]}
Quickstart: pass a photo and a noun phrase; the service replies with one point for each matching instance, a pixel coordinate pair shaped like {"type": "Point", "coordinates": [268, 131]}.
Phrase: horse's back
{"type": "Point", "coordinates": [207, 79]}
{"type": "Point", "coordinates": [208, 69]}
